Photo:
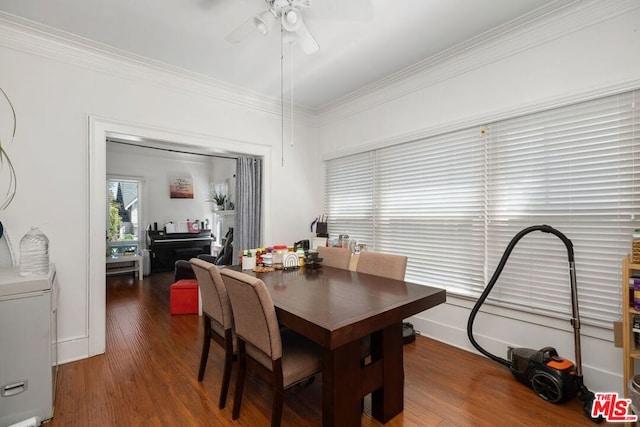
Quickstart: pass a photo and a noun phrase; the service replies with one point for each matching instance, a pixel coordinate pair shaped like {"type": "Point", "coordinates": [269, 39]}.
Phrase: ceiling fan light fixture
{"type": "Point", "coordinates": [291, 19]}
{"type": "Point", "coordinates": [264, 21]}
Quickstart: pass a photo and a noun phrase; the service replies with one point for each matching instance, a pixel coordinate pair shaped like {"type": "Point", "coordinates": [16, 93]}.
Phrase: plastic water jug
{"type": "Point", "coordinates": [34, 253]}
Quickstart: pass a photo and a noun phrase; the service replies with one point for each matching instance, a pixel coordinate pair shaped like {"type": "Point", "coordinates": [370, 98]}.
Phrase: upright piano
{"type": "Point", "coordinates": [166, 248]}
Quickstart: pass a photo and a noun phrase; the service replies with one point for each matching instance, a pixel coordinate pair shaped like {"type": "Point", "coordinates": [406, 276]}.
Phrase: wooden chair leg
{"type": "Point", "coordinates": [228, 361]}
{"type": "Point", "coordinates": [242, 367]}
{"type": "Point", "coordinates": [205, 347]}
{"type": "Point", "coordinates": [278, 393]}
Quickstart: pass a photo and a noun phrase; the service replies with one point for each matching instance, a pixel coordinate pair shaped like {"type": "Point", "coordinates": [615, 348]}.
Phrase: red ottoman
{"type": "Point", "coordinates": [183, 297]}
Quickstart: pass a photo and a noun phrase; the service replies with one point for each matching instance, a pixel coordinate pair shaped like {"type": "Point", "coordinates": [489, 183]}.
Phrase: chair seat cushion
{"type": "Point", "coordinates": [301, 358]}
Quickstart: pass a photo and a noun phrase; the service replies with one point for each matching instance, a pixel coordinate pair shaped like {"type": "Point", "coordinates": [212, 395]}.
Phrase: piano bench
{"type": "Point", "coordinates": [183, 297]}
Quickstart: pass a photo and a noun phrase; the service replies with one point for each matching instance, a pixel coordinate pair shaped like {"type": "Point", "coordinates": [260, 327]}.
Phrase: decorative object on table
{"type": "Point", "coordinates": [290, 261]}
{"type": "Point", "coordinates": [356, 247]}
{"type": "Point", "coordinates": [343, 241]}
{"type": "Point", "coordinates": [248, 261]}
{"type": "Point", "coordinates": [301, 244]}
{"type": "Point", "coordinates": [181, 187]}
{"type": "Point", "coordinates": [312, 260]}
{"type": "Point", "coordinates": [319, 241]}
{"type": "Point", "coordinates": [279, 252]}
{"type": "Point", "coordinates": [34, 253]}
{"type": "Point", "coordinates": [263, 269]}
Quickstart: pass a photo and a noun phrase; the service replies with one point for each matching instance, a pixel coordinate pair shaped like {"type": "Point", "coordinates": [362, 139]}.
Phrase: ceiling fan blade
{"type": "Point", "coordinates": [306, 40]}
{"type": "Point", "coordinates": [242, 32]}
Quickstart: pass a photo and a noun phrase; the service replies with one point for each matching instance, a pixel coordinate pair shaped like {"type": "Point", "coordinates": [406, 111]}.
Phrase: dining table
{"type": "Point", "coordinates": [337, 309]}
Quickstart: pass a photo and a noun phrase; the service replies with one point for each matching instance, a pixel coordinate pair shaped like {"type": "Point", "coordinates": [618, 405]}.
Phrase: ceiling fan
{"type": "Point", "coordinates": [289, 15]}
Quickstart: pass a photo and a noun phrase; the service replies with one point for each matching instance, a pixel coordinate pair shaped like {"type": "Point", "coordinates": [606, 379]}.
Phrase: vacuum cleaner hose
{"type": "Point", "coordinates": [496, 274]}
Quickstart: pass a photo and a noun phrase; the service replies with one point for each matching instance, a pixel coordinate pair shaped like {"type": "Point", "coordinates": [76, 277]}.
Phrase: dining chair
{"type": "Point", "coordinates": [283, 358]}
{"type": "Point", "coordinates": [183, 270]}
{"type": "Point", "coordinates": [218, 321]}
{"type": "Point", "coordinates": [335, 257]}
{"type": "Point", "coordinates": [389, 266]}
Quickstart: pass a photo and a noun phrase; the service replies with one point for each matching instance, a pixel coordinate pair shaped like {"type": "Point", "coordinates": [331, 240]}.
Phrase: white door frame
{"type": "Point", "coordinates": [99, 128]}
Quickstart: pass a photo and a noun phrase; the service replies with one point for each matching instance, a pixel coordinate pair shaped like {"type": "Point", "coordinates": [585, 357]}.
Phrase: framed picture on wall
{"type": "Point", "coordinates": [181, 187]}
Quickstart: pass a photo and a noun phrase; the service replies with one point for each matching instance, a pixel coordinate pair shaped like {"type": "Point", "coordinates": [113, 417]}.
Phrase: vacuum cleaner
{"type": "Point", "coordinates": [552, 377]}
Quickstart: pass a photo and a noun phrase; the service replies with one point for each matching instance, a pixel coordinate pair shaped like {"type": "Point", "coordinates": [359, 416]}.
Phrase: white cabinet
{"type": "Point", "coordinates": [28, 345]}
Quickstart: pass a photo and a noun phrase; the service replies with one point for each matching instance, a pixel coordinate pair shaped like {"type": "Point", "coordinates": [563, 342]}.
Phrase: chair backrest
{"type": "Point", "coordinates": [215, 299]}
{"type": "Point", "coordinates": [254, 314]}
{"type": "Point", "coordinates": [383, 265]}
{"type": "Point", "coordinates": [335, 257]}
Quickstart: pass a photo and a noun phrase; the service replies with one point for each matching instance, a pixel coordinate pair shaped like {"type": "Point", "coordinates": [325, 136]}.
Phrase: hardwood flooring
{"type": "Point", "coordinates": [147, 377]}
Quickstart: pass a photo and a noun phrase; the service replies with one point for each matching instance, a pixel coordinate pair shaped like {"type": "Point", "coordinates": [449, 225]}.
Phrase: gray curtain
{"type": "Point", "coordinates": [247, 233]}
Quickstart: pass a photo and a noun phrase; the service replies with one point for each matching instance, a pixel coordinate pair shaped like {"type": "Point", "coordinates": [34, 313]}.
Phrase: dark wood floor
{"type": "Point", "coordinates": [148, 378]}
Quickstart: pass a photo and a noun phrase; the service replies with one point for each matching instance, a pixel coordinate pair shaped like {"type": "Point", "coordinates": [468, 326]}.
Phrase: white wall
{"type": "Point", "coordinates": [155, 167]}
{"type": "Point", "coordinates": [56, 86]}
{"type": "Point", "coordinates": [590, 51]}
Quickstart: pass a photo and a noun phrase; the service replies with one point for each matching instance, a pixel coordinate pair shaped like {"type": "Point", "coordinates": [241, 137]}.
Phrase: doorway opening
{"type": "Point", "coordinates": [100, 131]}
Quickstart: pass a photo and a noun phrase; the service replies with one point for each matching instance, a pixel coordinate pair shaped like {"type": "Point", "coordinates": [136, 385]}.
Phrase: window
{"type": "Point", "coordinates": [349, 191]}
{"type": "Point", "coordinates": [124, 215]}
{"type": "Point", "coordinates": [453, 202]}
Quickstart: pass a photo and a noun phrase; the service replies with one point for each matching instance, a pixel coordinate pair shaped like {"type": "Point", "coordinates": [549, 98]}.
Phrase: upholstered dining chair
{"type": "Point", "coordinates": [218, 321]}
{"type": "Point", "coordinates": [183, 269]}
{"type": "Point", "coordinates": [283, 358]}
{"type": "Point", "coordinates": [389, 266]}
{"type": "Point", "coordinates": [384, 265]}
{"type": "Point", "coordinates": [335, 257]}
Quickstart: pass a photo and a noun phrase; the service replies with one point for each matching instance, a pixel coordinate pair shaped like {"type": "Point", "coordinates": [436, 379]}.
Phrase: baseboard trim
{"type": "Point", "coordinates": [73, 349]}
{"type": "Point", "coordinates": [595, 379]}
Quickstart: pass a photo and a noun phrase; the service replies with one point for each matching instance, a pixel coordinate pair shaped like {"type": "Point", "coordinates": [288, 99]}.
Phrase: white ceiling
{"type": "Point", "coordinates": [190, 34]}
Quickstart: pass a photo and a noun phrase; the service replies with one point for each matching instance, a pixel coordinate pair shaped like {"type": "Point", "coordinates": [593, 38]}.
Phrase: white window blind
{"type": "Point", "coordinates": [349, 194]}
{"type": "Point", "coordinates": [430, 207]}
{"type": "Point", "coordinates": [572, 168]}
{"type": "Point", "coordinates": [453, 202]}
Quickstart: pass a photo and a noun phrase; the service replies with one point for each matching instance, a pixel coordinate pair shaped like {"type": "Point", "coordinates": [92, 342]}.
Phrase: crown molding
{"type": "Point", "coordinates": [44, 41]}
{"type": "Point", "coordinates": [632, 83]}
{"type": "Point", "coordinates": [547, 24]}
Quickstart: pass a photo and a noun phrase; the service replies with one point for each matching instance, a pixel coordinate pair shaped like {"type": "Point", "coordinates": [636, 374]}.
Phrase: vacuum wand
{"type": "Point", "coordinates": [575, 319]}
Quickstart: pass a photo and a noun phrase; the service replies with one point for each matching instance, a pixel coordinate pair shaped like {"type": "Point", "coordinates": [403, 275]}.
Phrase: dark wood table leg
{"type": "Point", "coordinates": [386, 346]}
{"type": "Point", "coordinates": [342, 386]}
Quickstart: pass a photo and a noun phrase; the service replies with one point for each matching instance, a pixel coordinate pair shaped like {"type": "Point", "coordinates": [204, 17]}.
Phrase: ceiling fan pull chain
{"type": "Point", "coordinates": [291, 90]}
{"type": "Point", "coordinates": [282, 96]}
